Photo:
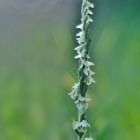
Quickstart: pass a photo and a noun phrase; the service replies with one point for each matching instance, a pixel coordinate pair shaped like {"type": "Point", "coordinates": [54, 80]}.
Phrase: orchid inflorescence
{"type": "Point", "coordinates": [85, 74]}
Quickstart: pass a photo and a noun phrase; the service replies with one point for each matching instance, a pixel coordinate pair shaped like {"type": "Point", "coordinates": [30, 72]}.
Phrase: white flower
{"type": "Point", "coordinates": [78, 56]}
{"type": "Point", "coordinates": [82, 104]}
{"type": "Point", "coordinates": [80, 39]}
{"type": "Point", "coordinates": [86, 71]}
{"type": "Point", "coordinates": [91, 72]}
{"type": "Point", "coordinates": [89, 19]}
{"type": "Point", "coordinates": [89, 12]}
{"type": "Point", "coordinates": [88, 138]}
{"type": "Point", "coordinates": [89, 4]}
{"type": "Point", "coordinates": [81, 33]}
{"type": "Point", "coordinates": [88, 63]}
{"type": "Point", "coordinates": [84, 124]}
{"type": "Point", "coordinates": [74, 93]}
{"type": "Point", "coordinates": [81, 54]}
{"type": "Point", "coordinates": [80, 26]}
{"type": "Point", "coordinates": [76, 125]}
{"type": "Point", "coordinates": [82, 107]}
{"type": "Point", "coordinates": [80, 47]}
{"type": "Point", "coordinates": [80, 125]}
{"type": "Point", "coordinates": [90, 80]}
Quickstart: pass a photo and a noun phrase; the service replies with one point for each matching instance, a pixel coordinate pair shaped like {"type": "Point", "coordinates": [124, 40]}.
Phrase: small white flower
{"type": "Point", "coordinates": [74, 93]}
{"type": "Point", "coordinates": [86, 71]}
{"type": "Point", "coordinates": [82, 99]}
{"type": "Point", "coordinates": [91, 72]}
{"type": "Point", "coordinates": [90, 80]}
{"type": "Point", "coordinates": [76, 85]}
{"type": "Point", "coordinates": [80, 47]}
{"type": "Point", "coordinates": [80, 39]}
{"type": "Point", "coordinates": [84, 124]}
{"type": "Point", "coordinates": [91, 5]}
{"type": "Point", "coordinates": [88, 138]}
{"type": "Point", "coordinates": [80, 26]}
{"type": "Point", "coordinates": [89, 19]}
{"type": "Point", "coordinates": [82, 104]}
{"type": "Point", "coordinates": [81, 54]}
{"type": "Point", "coordinates": [87, 63]}
{"type": "Point", "coordinates": [80, 125]}
{"type": "Point", "coordinates": [81, 33]}
{"type": "Point", "coordinates": [78, 56]}
{"type": "Point", "coordinates": [89, 12]}
{"type": "Point", "coordinates": [82, 107]}
{"type": "Point", "coordinates": [76, 125]}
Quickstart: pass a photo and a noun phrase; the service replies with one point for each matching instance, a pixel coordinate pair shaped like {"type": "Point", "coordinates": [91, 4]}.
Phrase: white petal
{"type": "Point", "coordinates": [89, 19]}
{"type": "Point", "coordinates": [79, 47]}
{"type": "Point", "coordinates": [82, 107]}
{"type": "Point", "coordinates": [90, 12]}
{"type": "Point", "coordinates": [80, 26]}
{"type": "Point", "coordinates": [88, 138]}
{"type": "Point", "coordinates": [77, 56]}
{"type": "Point", "coordinates": [76, 124]}
{"type": "Point", "coordinates": [81, 39]}
{"type": "Point", "coordinates": [92, 72]}
{"type": "Point", "coordinates": [84, 123]}
{"type": "Point", "coordinates": [74, 93]}
{"type": "Point", "coordinates": [90, 80]}
{"type": "Point", "coordinates": [91, 5]}
{"type": "Point", "coordinates": [76, 86]}
{"type": "Point", "coordinates": [86, 71]}
{"type": "Point", "coordinates": [80, 33]}
{"type": "Point", "coordinates": [88, 63]}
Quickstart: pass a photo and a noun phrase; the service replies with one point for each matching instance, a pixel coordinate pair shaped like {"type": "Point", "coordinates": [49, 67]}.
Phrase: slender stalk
{"type": "Point", "coordinates": [85, 74]}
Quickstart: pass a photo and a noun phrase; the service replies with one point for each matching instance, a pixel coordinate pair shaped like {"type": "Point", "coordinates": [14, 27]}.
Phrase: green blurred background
{"type": "Point", "coordinates": [37, 69]}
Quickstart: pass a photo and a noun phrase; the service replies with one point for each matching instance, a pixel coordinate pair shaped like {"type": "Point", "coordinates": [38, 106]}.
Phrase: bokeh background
{"type": "Point", "coordinates": [37, 69]}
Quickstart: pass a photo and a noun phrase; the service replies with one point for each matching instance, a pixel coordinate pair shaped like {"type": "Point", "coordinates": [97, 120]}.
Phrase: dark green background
{"type": "Point", "coordinates": [37, 69]}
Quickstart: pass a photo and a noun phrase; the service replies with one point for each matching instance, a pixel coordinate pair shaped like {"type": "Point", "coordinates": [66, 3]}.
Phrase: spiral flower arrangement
{"type": "Point", "coordinates": [85, 74]}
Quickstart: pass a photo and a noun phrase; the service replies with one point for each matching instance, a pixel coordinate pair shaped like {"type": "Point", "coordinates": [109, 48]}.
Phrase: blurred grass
{"type": "Point", "coordinates": [37, 71]}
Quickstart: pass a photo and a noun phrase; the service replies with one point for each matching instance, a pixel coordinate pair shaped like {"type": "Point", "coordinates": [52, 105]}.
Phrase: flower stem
{"type": "Point", "coordinates": [85, 74]}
